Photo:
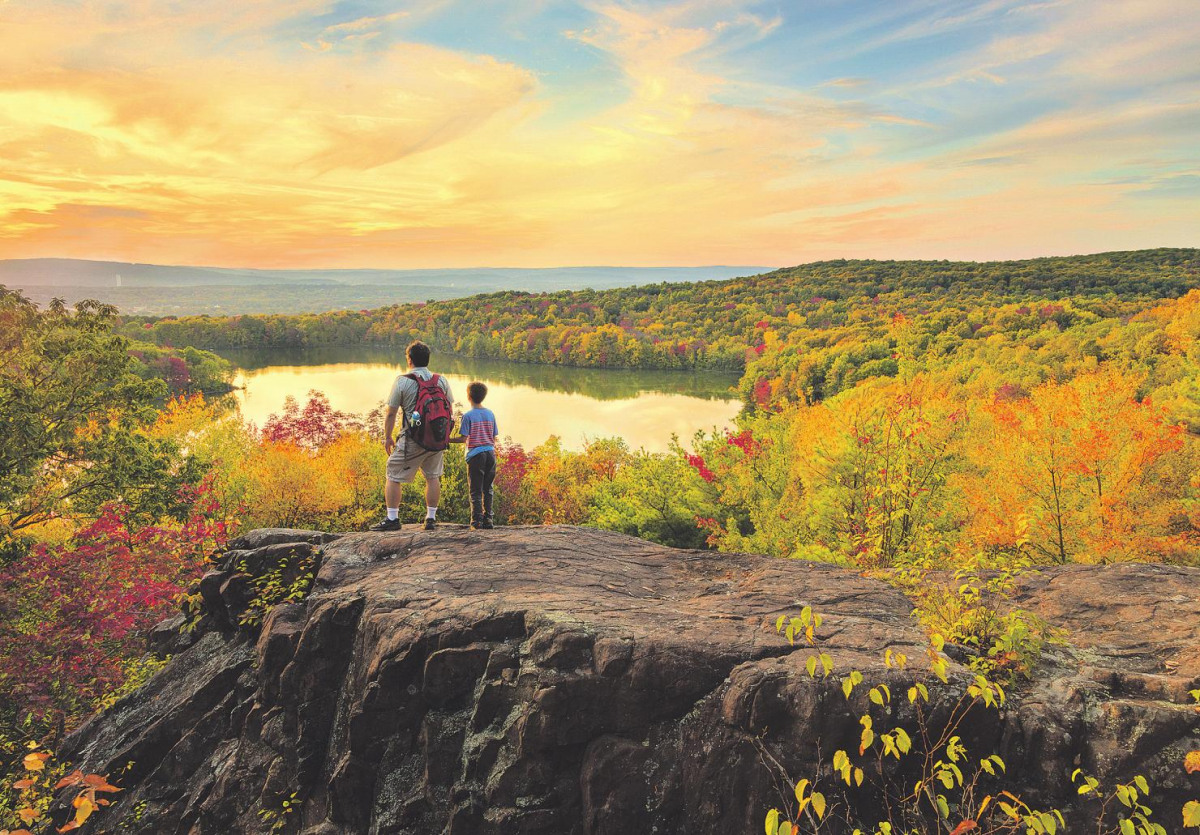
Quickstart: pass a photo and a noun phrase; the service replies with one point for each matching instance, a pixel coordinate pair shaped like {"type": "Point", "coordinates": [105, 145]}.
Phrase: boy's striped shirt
{"type": "Point", "coordinates": [479, 428]}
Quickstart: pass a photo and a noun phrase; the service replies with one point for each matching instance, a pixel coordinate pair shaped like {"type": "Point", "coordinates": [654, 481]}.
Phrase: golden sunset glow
{"type": "Point", "coordinates": [321, 134]}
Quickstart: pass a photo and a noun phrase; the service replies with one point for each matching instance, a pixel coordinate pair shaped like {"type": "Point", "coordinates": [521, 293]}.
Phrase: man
{"type": "Point", "coordinates": [407, 456]}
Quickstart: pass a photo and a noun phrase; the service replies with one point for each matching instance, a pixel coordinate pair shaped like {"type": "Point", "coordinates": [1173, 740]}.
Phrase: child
{"type": "Point", "coordinates": [478, 432]}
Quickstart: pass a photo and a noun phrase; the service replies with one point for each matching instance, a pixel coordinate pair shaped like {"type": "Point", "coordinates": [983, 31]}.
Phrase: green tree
{"type": "Point", "coordinates": [655, 497]}
{"type": "Point", "coordinates": [73, 414]}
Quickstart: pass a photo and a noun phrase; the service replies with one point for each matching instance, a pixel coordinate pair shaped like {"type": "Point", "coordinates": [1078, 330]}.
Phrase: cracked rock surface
{"type": "Point", "coordinates": [568, 680]}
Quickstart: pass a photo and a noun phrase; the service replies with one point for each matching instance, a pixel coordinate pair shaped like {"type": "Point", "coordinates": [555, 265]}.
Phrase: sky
{"type": "Point", "coordinates": [439, 133]}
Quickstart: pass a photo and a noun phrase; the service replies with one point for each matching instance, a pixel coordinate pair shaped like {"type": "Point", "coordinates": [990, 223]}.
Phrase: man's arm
{"type": "Point", "coordinates": [394, 401]}
{"type": "Point", "coordinates": [389, 426]}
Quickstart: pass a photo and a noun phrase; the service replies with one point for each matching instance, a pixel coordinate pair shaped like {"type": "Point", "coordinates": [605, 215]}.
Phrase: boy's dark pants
{"type": "Point", "coordinates": [481, 472]}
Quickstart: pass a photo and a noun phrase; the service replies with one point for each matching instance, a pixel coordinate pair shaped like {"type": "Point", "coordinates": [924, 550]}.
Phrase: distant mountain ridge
{"type": "Point", "coordinates": [83, 273]}
{"type": "Point", "coordinates": [153, 289]}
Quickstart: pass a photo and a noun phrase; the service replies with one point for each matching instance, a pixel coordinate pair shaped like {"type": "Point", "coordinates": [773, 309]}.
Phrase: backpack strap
{"type": "Point", "coordinates": [412, 375]}
{"type": "Point", "coordinates": [433, 378]}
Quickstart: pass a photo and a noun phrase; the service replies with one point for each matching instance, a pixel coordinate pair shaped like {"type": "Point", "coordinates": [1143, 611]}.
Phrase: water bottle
{"type": "Point", "coordinates": [415, 420]}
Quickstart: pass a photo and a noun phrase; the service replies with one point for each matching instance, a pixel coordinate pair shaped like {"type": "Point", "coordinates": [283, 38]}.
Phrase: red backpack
{"type": "Point", "coordinates": [429, 424]}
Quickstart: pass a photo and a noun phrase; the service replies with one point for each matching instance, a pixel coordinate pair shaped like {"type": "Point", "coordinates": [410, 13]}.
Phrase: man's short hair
{"type": "Point", "coordinates": [418, 354]}
{"type": "Point", "coordinates": [477, 391]}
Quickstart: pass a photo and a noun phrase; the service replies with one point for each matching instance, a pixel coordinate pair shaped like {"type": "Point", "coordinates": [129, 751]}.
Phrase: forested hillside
{"type": "Point", "coordinates": [716, 324]}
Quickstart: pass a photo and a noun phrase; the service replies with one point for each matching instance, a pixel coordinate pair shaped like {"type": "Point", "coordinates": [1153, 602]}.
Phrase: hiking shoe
{"type": "Point", "coordinates": [487, 525]}
{"type": "Point", "coordinates": [430, 524]}
{"type": "Point", "coordinates": [386, 525]}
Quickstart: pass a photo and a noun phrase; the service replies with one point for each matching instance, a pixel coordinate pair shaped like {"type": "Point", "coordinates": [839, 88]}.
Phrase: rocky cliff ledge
{"type": "Point", "coordinates": [564, 680]}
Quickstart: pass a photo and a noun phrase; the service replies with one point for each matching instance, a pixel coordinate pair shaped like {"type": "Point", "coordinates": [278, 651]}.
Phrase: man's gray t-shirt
{"type": "Point", "coordinates": [403, 395]}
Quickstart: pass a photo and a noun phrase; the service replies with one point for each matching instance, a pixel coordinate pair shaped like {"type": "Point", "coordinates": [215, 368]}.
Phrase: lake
{"type": "Point", "coordinates": [531, 402]}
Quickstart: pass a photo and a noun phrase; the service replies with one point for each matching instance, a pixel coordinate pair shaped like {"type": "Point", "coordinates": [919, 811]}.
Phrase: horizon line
{"type": "Point", "coordinates": [591, 266]}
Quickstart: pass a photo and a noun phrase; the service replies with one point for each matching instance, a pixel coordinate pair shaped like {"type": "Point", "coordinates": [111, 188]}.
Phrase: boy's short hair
{"type": "Point", "coordinates": [476, 392]}
{"type": "Point", "coordinates": [418, 354]}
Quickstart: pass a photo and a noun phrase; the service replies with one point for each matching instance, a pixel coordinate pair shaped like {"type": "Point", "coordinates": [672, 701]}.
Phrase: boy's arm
{"type": "Point", "coordinates": [464, 427]}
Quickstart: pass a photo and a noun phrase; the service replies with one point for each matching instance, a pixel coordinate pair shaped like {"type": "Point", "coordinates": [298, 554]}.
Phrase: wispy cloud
{"type": "Point", "coordinates": [847, 82]}
{"type": "Point", "coordinates": [353, 31]}
{"type": "Point", "coordinates": [363, 24]}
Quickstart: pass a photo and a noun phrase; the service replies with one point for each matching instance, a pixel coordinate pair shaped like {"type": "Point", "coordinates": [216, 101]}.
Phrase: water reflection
{"type": "Point", "coordinates": [531, 402]}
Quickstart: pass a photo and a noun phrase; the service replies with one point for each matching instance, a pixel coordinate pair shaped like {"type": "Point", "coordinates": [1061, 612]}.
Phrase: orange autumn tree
{"type": "Point", "coordinates": [860, 478]}
{"type": "Point", "coordinates": [877, 466]}
{"type": "Point", "coordinates": [336, 486]}
{"type": "Point", "coordinates": [1180, 322]}
{"type": "Point", "coordinates": [556, 485]}
{"type": "Point", "coordinates": [1176, 374]}
{"type": "Point", "coordinates": [1082, 471]}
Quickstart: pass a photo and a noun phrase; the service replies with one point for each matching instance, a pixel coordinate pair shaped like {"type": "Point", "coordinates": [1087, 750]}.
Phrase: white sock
{"type": "Point", "coordinates": [393, 514]}
{"type": "Point", "coordinates": [430, 512]}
